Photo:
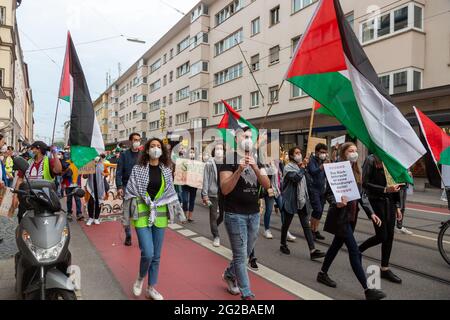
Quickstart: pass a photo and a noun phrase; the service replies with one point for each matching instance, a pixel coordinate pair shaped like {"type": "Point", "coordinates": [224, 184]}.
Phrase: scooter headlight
{"type": "Point", "coordinates": [46, 255]}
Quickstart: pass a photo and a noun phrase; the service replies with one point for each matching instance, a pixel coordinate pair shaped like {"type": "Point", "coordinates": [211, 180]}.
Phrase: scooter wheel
{"type": "Point", "coordinates": [60, 294]}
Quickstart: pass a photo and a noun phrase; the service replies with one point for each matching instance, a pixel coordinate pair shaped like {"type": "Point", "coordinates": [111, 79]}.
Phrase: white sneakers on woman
{"type": "Point", "coordinates": [151, 292]}
{"type": "Point", "coordinates": [97, 222]}
{"type": "Point", "coordinates": [268, 234]}
{"type": "Point", "coordinates": [89, 222]}
{"type": "Point", "coordinates": [290, 237]}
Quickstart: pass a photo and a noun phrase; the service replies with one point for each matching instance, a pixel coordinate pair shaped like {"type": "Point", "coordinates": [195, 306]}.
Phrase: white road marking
{"type": "Point", "coordinates": [175, 226]}
{"type": "Point", "coordinates": [278, 279]}
{"type": "Point", "coordinates": [429, 211]}
{"type": "Point", "coordinates": [186, 232]}
{"type": "Point", "coordinates": [428, 238]}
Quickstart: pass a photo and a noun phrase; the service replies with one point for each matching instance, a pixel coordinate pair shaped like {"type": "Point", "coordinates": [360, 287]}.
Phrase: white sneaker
{"type": "Point", "coordinates": [290, 237]}
{"type": "Point", "coordinates": [403, 231]}
{"type": "Point", "coordinates": [216, 242]}
{"type": "Point", "coordinates": [231, 286]}
{"type": "Point", "coordinates": [97, 222]}
{"type": "Point", "coordinates": [137, 287]}
{"type": "Point", "coordinates": [89, 222]}
{"type": "Point", "coordinates": [268, 234]}
{"type": "Point", "coordinates": [153, 294]}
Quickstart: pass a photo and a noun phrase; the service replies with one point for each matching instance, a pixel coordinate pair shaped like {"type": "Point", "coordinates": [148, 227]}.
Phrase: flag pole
{"type": "Point", "coordinates": [311, 122]}
{"type": "Point", "coordinates": [54, 124]}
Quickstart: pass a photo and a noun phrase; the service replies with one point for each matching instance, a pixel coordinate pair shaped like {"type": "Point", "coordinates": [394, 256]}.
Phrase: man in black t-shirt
{"type": "Point", "coordinates": [240, 179]}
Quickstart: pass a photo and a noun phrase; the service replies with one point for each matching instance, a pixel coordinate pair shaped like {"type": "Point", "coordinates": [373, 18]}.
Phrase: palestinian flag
{"type": "Point", "coordinates": [85, 138]}
{"type": "Point", "coordinates": [331, 66]}
{"type": "Point", "coordinates": [232, 121]}
{"type": "Point", "coordinates": [437, 140]}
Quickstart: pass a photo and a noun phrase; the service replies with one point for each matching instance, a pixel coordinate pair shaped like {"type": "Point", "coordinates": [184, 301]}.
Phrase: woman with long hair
{"type": "Point", "coordinates": [341, 221]}
{"type": "Point", "coordinates": [296, 201]}
{"type": "Point", "coordinates": [154, 201]}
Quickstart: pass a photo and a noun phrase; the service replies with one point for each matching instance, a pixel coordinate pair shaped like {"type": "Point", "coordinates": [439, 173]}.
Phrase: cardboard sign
{"type": "Point", "coordinates": [342, 181]}
{"type": "Point", "coordinates": [189, 172]}
{"type": "Point", "coordinates": [339, 140]}
{"type": "Point", "coordinates": [87, 169]}
{"type": "Point", "coordinates": [312, 143]}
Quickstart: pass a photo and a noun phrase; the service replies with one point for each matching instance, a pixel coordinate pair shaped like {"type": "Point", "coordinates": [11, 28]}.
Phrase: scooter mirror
{"type": "Point", "coordinates": [79, 193]}
{"type": "Point", "coordinates": [20, 164]}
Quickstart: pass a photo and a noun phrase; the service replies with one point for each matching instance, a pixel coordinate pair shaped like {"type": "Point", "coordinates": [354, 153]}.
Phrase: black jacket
{"type": "Point", "coordinates": [127, 161]}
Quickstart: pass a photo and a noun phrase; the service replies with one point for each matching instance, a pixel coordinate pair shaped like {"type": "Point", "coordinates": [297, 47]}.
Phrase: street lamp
{"type": "Point", "coordinates": [136, 40]}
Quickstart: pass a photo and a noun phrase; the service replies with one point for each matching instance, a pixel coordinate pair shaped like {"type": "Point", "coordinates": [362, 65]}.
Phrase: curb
{"type": "Point", "coordinates": [429, 204]}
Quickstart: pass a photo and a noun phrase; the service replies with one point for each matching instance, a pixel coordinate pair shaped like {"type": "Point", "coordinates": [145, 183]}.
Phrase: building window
{"type": "Point", "coordinates": [155, 66]}
{"type": "Point", "coordinates": [2, 15]}
{"type": "Point", "coordinates": [228, 43]}
{"type": "Point", "coordinates": [183, 45]}
{"type": "Point", "coordinates": [155, 85]}
{"type": "Point", "coordinates": [170, 121]}
{"type": "Point", "coordinates": [400, 82]}
{"type": "Point", "coordinates": [164, 80]}
{"type": "Point", "coordinates": [155, 105]}
{"type": "Point", "coordinates": [182, 118]}
{"type": "Point", "coordinates": [170, 99]}
{"type": "Point", "coordinates": [144, 116]}
{"type": "Point", "coordinates": [296, 92]}
{"type": "Point", "coordinates": [183, 94]}
{"type": "Point", "coordinates": [235, 103]}
{"type": "Point", "coordinates": [350, 17]}
{"type": "Point", "coordinates": [254, 62]}
{"type": "Point", "coordinates": [171, 54]}
{"type": "Point", "coordinates": [274, 55]}
{"type": "Point", "coordinates": [183, 69]}
{"type": "Point", "coordinates": [165, 58]}
{"type": "Point", "coordinates": [385, 82]}
{"type": "Point", "coordinates": [170, 76]}
{"type": "Point", "coordinates": [397, 20]}
{"type": "Point", "coordinates": [201, 9]}
{"type": "Point", "coordinates": [199, 95]}
{"type": "Point", "coordinates": [201, 37]}
{"type": "Point", "coordinates": [298, 5]}
{"type": "Point", "coordinates": [164, 100]}
{"type": "Point", "coordinates": [134, 115]}
{"type": "Point", "coordinates": [141, 98]}
{"type": "Point", "coordinates": [144, 135]}
{"type": "Point", "coordinates": [200, 66]}
{"type": "Point", "coordinates": [228, 11]}
{"type": "Point", "coordinates": [134, 97]}
{"type": "Point", "coordinates": [294, 43]}
{"type": "Point", "coordinates": [199, 123]}
{"type": "Point", "coordinates": [417, 80]}
{"type": "Point", "coordinates": [275, 16]}
{"type": "Point", "coordinates": [273, 94]}
{"type": "Point", "coordinates": [254, 99]}
{"type": "Point", "coordinates": [154, 125]}
{"type": "Point", "coordinates": [256, 26]}
{"type": "Point", "coordinates": [2, 77]}
{"type": "Point", "coordinates": [228, 74]}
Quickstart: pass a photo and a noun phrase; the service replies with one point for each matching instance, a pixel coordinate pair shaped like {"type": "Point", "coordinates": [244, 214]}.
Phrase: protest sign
{"type": "Point", "coordinates": [339, 140]}
{"type": "Point", "coordinates": [87, 169]}
{"type": "Point", "coordinates": [312, 143]}
{"type": "Point", "coordinates": [342, 181]}
{"type": "Point", "coordinates": [189, 172]}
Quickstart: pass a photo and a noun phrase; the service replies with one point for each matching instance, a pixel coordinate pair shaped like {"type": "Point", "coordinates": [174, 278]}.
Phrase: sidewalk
{"type": "Point", "coordinates": [429, 197]}
{"type": "Point", "coordinates": [187, 271]}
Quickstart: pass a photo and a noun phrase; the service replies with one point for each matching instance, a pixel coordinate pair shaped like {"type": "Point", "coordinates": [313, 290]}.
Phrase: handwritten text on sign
{"type": "Point", "coordinates": [342, 181]}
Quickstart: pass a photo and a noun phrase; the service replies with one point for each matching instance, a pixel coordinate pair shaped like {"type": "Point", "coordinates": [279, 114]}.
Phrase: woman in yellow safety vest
{"type": "Point", "coordinates": [153, 195]}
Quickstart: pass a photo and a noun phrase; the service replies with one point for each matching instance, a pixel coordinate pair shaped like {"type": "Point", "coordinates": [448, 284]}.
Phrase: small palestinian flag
{"type": "Point", "coordinates": [85, 138]}
{"type": "Point", "coordinates": [437, 140]}
{"type": "Point", "coordinates": [232, 121]}
{"type": "Point", "coordinates": [331, 66]}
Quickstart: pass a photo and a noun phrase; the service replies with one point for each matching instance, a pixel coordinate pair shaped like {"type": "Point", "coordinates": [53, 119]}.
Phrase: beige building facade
{"type": "Point", "coordinates": [16, 99]}
{"type": "Point", "coordinates": [207, 56]}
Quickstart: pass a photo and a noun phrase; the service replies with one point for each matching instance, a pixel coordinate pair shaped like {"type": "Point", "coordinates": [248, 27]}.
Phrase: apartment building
{"type": "Point", "coordinates": [207, 56]}
{"type": "Point", "coordinates": [16, 99]}
{"type": "Point", "coordinates": [101, 112]}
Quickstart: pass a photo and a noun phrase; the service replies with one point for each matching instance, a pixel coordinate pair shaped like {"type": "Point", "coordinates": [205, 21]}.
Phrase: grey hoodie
{"type": "Point", "coordinates": [210, 181]}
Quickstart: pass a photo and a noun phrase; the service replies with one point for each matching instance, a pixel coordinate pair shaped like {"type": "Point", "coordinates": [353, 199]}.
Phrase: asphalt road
{"type": "Point", "coordinates": [415, 258]}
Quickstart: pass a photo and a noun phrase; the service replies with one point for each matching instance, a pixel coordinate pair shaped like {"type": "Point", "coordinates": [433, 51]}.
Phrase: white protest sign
{"type": "Point", "coordinates": [342, 181]}
{"type": "Point", "coordinates": [337, 140]}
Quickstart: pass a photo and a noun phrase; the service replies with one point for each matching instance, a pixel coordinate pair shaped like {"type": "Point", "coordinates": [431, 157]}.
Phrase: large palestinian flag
{"type": "Point", "coordinates": [233, 121]}
{"type": "Point", "coordinates": [331, 66]}
{"type": "Point", "coordinates": [85, 138]}
{"type": "Point", "coordinates": [437, 140]}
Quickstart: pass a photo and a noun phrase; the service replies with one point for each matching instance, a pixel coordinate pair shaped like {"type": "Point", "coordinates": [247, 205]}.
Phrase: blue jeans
{"type": "Point", "coordinates": [179, 192]}
{"type": "Point", "coordinates": [70, 202]}
{"type": "Point", "coordinates": [189, 194]}
{"type": "Point", "coordinates": [242, 230]}
{"type": "Point", "coordinates": [269, 201]}
{"type": "Point", "coordinates": [150, 242]}
{"type": "Point", "coordinates": [353, 253]}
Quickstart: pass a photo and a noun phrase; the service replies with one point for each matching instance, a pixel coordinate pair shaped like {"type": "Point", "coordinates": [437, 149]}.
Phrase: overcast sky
{"type": "Point", "coordinates": [43, 24]}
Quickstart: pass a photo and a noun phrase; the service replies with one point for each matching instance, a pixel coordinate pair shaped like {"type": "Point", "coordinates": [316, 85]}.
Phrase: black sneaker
{"type": "Point", "coordinates": [326, 280]}
{"type": "Point", "coordinates": [1, 240]}
{"type": "Point", "coordinates": [253, 265]}
{"type": "Point", "coordinates": [284, 249]}
{"type": "Point", "coordinates": [127, 242]}
{"type": "Point", "coordinates": [318, 236]}
{"type": "Point", "coordinates": [317, 254]}
{"type": "Point", "coordinates": [390, 276]}
{"type": "Point", "coordinates": [374, 294]}
{"type": "Point", "coordinates": [80, 217]}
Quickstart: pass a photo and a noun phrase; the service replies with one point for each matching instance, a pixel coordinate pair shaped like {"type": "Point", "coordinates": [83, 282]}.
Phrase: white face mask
{"type": "Point", "coordinates": [298, 158]}
{"type": "Point", "coordinates": [206, 157]}
{"type": "Point", "coordinates": [136, 144]}
{"type": "Point", "coordinates": [247, 145]}
{"type": "Point", "coordinates": [323, 156]}
{"type": "Point", "coordinates": [4, 149]}
{"type": "Point", "coordinates": [155, 152]}
{"type": "Point", "coordinates": [353, 157]}
{"type": "Point", "coordinates": [218, 154]}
